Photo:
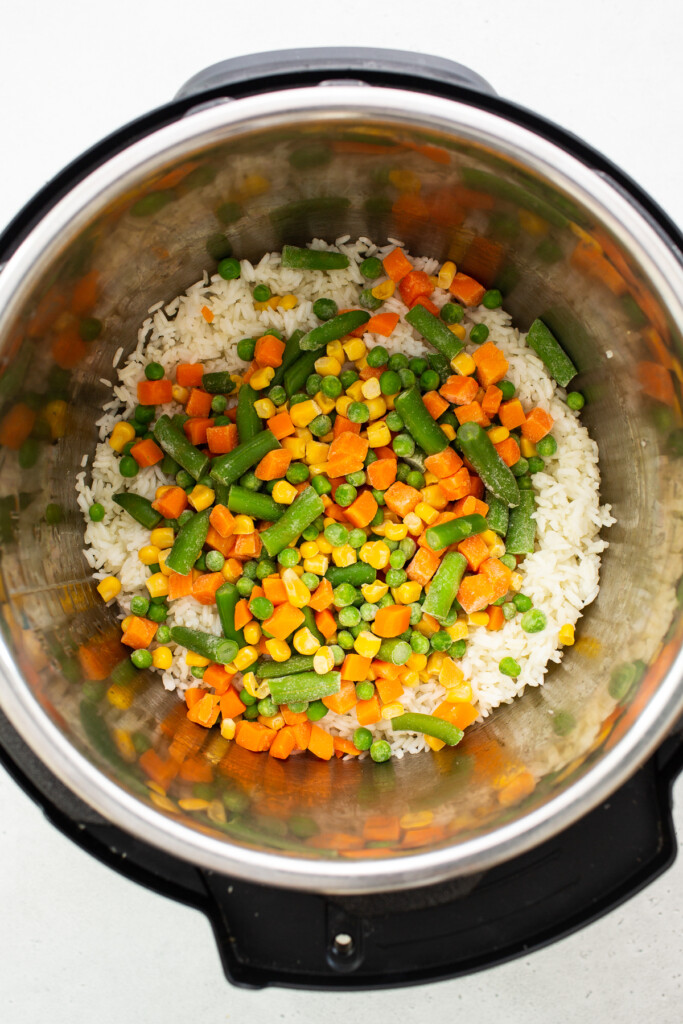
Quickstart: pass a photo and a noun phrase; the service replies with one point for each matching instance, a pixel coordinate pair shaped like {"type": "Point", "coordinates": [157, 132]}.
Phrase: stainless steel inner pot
{"type": "Point", "coordinates": [451, 179]}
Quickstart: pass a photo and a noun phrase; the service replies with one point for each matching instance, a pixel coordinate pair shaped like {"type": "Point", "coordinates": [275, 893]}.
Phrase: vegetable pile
{"type": "Point", "coordinates": [350, 513]}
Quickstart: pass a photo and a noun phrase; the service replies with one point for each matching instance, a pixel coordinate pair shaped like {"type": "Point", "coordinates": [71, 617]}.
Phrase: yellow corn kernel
{"type": "Point", "coordinates": [478, 619]}
{"type": "Point", "coordinates": [201, 497]}
{"type": "Point", "coordinates": [163, 555]}
{"type": "Point", "coordinates": [261, 378]}
{"type": "Point", "coordinates": [162, 537]}
{"type": "Point", "coordinates": [434, 744]}
{"type": "Point", "coordinates": [375, 553]}
{"type": "Point", "coordinates": [355, 391]}
{"type": "Point", "coordinates": [361, 363]}
{"type": "Point", "coordinates": [324, 545]}
{"type": "Point", "coordinates": [392, 710]}
{"type": "Point", "coordinates": [196, 660]}
{"type": "Point", "coordinates": [284, 492]}
{"type": "Point", "coordinates": [458, 330]}
{"type": "Point", "coordinates": [304, 413]}
{"type": "Point", "coordinates": [434, 496]}
{"type": "Point", "coordinates": [253, 185]}
{"type": "Point", "coordinates": [342, 404]}
{"type": "Point", "coordinates": [108, 588]}
{"type": "Point", "coordinates": [304, 641]}
{"type": "Point", "coordinates": [527, 447]}
{"type": "Point", "coordinates": [264, 408]}
{"type": "Point", "coordinates": [298, 570]}
{"type": "Point", "coordinates": [354, 349]}
{"type": "Point", "coordinates": [193, 803]}
{"type": "Point", "coordinates": [309, 549]}
{"type": "Point", "coordinates": [288, 301]}
{"type": "Point", "coordinates": [464, 364]}
{"type": "Point", "coordinates": [410, 678]}
{"type": "Point", "coordinates": [121, 435]}
{"type": "Point", "coordinates": [335, 350]}
{"type": "Point", "coordinates": [461, 693]}
{"type": "Point", "coordinates": [488, 537]}
{"type": "Point", "coordinates": [149, 554]}
{"type": "Point", "coordinates": [323, 660]}
{"type": "Point", "coordinates": [162, 657]}
{"type": "Point", "coordinates": [379, 434]}
{"type": "Point", "coordinates": [516, 581]}
{"type": "Point", "coordinates": [344, 555]}
{"type": "Point", "coordinates": [405, 181]}
{"type": "Point", "coordinates": [396, 531]}
{"type": "Point", "coordinates": [316, 452]}
{"type": "Point", "coordinates": [121, 697]}
{"type": "Point", "coordinates": [367, 644]}
{"type": "Point", "coordinates": [298, 593]}
{"type": "Point", "coordinates": [450, 674]}
{"type": "Point", "coordinates": [532, 223]}
{"type": "Point", "coordinates": [427, 626]}
{"type": "Point", "coordinates": [430, 478]}
{"type": "Point", "coordinates": [124, 744]}
{"type": "Point", "coordinates": [566, 634]}
{"type": "Point", "coordinates": [157, 585]}
{"type": "Point", "coordinates": [433, 280]}
{"type": "Point", "coordinates": [426, 512]}
{"type": "Point", "coordinates": [417, 662]}
{"type": "Point", "coordinates": [446, 274]}
{"type": "Point", "coordinates": [245, 658]}
{"type": "Point", "coordinates": [54, 415]}
{"type": "Point", "coordinates": [408, 593]}
{"type": "Point", "coordinates": [252, 632]}
{"type": "Point", "coordinates": [458, 631]}
{"type": "Point", "coordinates": [125, 623]}
{"type": "Point", "coordinates": [180, 394]}
{"type": "Point", "coordinates": [228, 729]}
{"type": "Point", "coordinates": [232, 570]}
{"type": "Point", "coordinates": [498, 434]}
{"type": "Point", "coordinates": [377, 407]}
{"type": "Point", "coordinates": [497, 548]}
{"type": "Point", "coordinates": [319, 565]}
{"type": "Point", "coordinates": [249, 683]}
{"type": "Point", "coordinates": [435, 661]}
{"type": "Point", "coordinates": [374, 592]}
{"type": "Point", "coordinates": [414, 524]}
{"type": "Point", "coordinates": [295, 445]}
{"type": "Point", "coordinates": [370, 388]}
{"type": "Point", "coordinates": [327, 366]}
{"type": "Point", "coordinates": [279, 650]}
{"type": "Point", "coordinates": [384, 290]}
{"type": "Point", "coordinates": [243, 526]}
{"type": "Point", "coordinates": [326, 403]}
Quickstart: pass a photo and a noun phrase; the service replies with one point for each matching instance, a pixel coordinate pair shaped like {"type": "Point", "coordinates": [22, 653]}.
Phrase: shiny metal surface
{"type": "Point", "coordinates": [319, 162]}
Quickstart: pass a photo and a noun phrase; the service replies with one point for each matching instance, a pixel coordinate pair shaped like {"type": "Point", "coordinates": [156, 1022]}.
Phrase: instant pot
{"type": "Point", "coordinates": [348, 873]}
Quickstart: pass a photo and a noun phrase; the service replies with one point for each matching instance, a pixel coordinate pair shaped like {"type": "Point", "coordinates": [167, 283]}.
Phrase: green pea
{"type": "Point", "coordinates": [521, 467]}
{"type": "Point", "coordinates": [297, 472]}
{"type": "Point", "coordinates": [315, 711]}
{"type": "Point", "coordinates": [368, 301]}
{"type": "Point", "coordinates": [403, 471]}
{"type": "Point", "coordinates": [267, 707]}
{"type": "Point", "coordinates": [379, 496]}
{"type": "Point", "coordinates": [261, 293]}
{"type": "Point", "coordinates": [139, 605]}
{"type": "Point", "coordinates": [403, 445]}
{"type": "Point", "coordinates": [347, 378]}
{"type": "Point", "coordinates": [261, 608]}
{"type": "Point", "coordinates": [356, 479]}
{"type": "Point", "coordinates": [419, 643]}
{"type": "Point", "coordinates": [394, 421]}
{"type": "Point", "coordinates": [397, 559]}
{"type": "Point", "coordinates": [563, 723]}
{"type": "Point", "coordinates": [144, 413]}
{"type": "Point", "coordinates": [320, 426]}
{"type": "Point", "coordinates": [289, 557]}
{"type": "Point", "coordinates": [415, 479]}
{"type": "Point", "coordinates": [311, 532]}
{"type": "Point", "coordinates": [398, 361]}
{"type": "Point", "coordinates": [522, 603]}
{"type": "Point", "coordinates": [277, 395]}
{"type": "Point", "coordinates": [200, 563]}
{"type": "Point", "coordinates": [365, 690]}
{"type": "Point", "coordinates": [154, 371]}
{"type": "Point", "coordinates": [509, 667]}
{"type": "Point", "coordinates": [371, 268]}
{"type": "Point", "coordinates": [547, 446]}
{"type": "Point", "coordinates": [508, 389]}
{"type": "Point", "coordinates": [479, 333]}
{"type": "Point", "coordinates": [246, 348]}
{"type": "Point", "coordinates": [441, 641]}
{"type": "Point", "coordinates": [524, 483]}
{"type": "Point", "coordinates": [430, 380]}
{"type": "Point", "coordinates": [331, 387]}
{"type": "Point", "coordinates": [536, 464]}
{"type": "Point", "coordinates": [348, 617]}
{"type": "Point", "coordinates": [228, 213]}
{"type": "Point", "coordinates": [357, 538]}
{"type": "Point", "coordinates": [244, 586]}
{"type": "Point", "coordinates": [408, 546]}
{"type": "Point", "coordinates": [358, 412]}
{"type": "Point", "coordinates": [299, 707]}
{"type": "Point", "coordinates": [298, 398]}
{"type": "Point", "coordinates": [250, 481]}
{"type": "Point", "coordinates": [310, 580]}
{"type": "Point", "coordinates": [345, 639]}
{"type": "Point", "coordinates": [575, 401]}
{"type": "Point", "coordinates": [313, 383]}
{"type": "Point", "coordinates": [362, 738]}
{"type": "Point", "coordinates": [452, 313]}
{"type": "Point", "coordinates": [457, 649]}
{"type": "Point", "coordinates": [250, 713]}
{"type": "Point", "coordinates": [157, 613]}
{"type": "Point", "coordinates": [380, 751]}
{"type": "Point", "coordinates": [343, 595]}
{"type": "Point", "coordinates": [418, 365]}
{"type": "Point", "coordinates": [250, 569]}
{"type": "Point", "coordinates": [90, 328]}
{"type": "Point", "coordinates": [96, 512]}
{"type": "Point", "coordinates": [214, 561]}
{"type": "Point", "coordinates": [395, 577]}
{"type": "Point", "coordinates": [534, 621]}
{"type": "Point", "coordinates": [247, 698]}
{"type": "Point", "coordinates": [229, 268]}
{"type": "Point", "coordinates": [265, 568]}
{"type": "Point", "coordinates": [128, 466]}
{"type": "Point", "coordinates": [336, 534]}
{"type": "Point", "coordinates": [320, 484]}
{"type": "Point", "coordinates": [367, 611]}
{"type": "Point", "coordinates": [492, 299]}
{"type": "Point", "coordinates": [198, 671]}
{"type": "Point", "coordinates": [407, 378]}
{"type": "Point", "coordinates": [141, 658]}
{"type": "Point", "coordinates": [346, 494]}
{"type": "Point", "coordinates": [325, 309]}
{"type": "Point", "coordinates": [509, 610]}
{"type": "Point", "coordinates": [377, 356]}
{"type": "Point", "coordinates": [219, 403]}
{"type": "Point", "coordinates": [390, 383]}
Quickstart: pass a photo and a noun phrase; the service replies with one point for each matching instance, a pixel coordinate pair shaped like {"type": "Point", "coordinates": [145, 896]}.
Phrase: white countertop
{"type": "Point", "coordinates": [78, 943]}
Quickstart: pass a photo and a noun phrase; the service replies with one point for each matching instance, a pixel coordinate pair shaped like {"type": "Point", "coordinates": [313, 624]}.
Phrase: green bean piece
{"type": "Point", "coordinates": [428, 725]}
{"type": "Point", "coordinates": [227, 469]}
{"type": "Point", "coordinates": [303, 686]}
{"type": "Point", "coordinates": [434, 331]}
{"type": "Point", "coordinates": [216, 648]}
{"type": "Point", "coordinates": [289, 357]}
{"type": "Point", "coordinates": [441, 365]}
{"type": "Point", "coordinates": [309, 622]}
{"type": "Point", "coordinates": [219, 383]}
{"type": "Point", "coordinates": [139, 508]}
{"type": "Point", "coordinates": [296, 664]}
{"type": "Point", "coordinates": [249, 423]}
{"type": "Point", "coordinates": [334, 329]}
{"type": "Point", "coordinates": [174, 443]}
{"type": "Point", "coordinates": [187, 547]}
{"type": "Point", "coordinates": [227, 597]}
{"type": "Point", "coordinates": [497, 477]}
{"type": "Point", "coordinates": [253, 503]}
{"type": "Point", "coordinates": [455, 530]}
{"type": "Point", "coordinates": [521, 533]}
{"type": "Point", "coordinates": [444, 587]}
{"type": "Point", "coordinates": [303, 511]}
{"type": "Point", "coordinates": [548, 349]}
{"type": "Point", "coordinates": [312, 259]}
{"type": "Point", "coordinates": [498, 514]}
{"type": "Point", "coordinates": [356, 574]}
{"type": "Point", "coordinates": [297, 374]}
{"type": "Point", "coordinates": [395, 651]}
{"type": "Point", "coordinates": [418, 422]}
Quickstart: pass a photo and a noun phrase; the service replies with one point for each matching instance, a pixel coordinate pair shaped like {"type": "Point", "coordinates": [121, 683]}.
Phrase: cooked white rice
{"type": "Point", "coordinates": [561, 577]}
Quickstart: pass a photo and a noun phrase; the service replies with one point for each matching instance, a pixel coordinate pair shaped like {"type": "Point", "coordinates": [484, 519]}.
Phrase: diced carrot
{"type": "Point", "coordinates": [537, 424]}
{"type": "Point", "coordinates": [207, 314]}
{"type": "Point", "coordinates": [325, 622]}
{"type": "Point", "coordinates": [196, 429]}
{"type": "Point", "coordinates": [472, 413]}
{"type": "Point", "coordinates": [281, 425]}
{"type": "Point", "coordinates": [230, 704]}
{"type": "Point", "coordinates": [368, 711]}
{"type": "Point", "coordinates": [483, 260]}
{"type": "Point", "coordinates": [460, 714]}
{"type": "Point", "coordinates": [274, 589]}
{"type": "Point", "coordinates": [434, 403]}
{"type": "Point", "coordinates": [343, 700]}
{"type": "Point", "coordinates": [445, 463]}
{"type": "Point", "coordinates": [253, 367]}
{"type": "Point", "coordinates": [475, 593]}
{"type": "Point", "coordinates": [193, 695]}
{"type": "Point", "coordinates": [355, 667]}
{"type": "Point", "coordinates": [322, 597]}
{"type": "Point", "coordinates": [385, 669]}
{"type": "Point", "coordinates": [361, 511]}
{"type": "Point", "coordinates": [401, 498]}
{"type": "Point", "coordinates": [465, 506]}
{"type": "Point", "coordinates": [498, 575]}
{"type": "Point", "coordinates": [189, 375]}
{"type": "Point", "coordinates": [302, 732]}
{"type": "Point", "coordinates": [396, 264]}
{"type": "Point", "coordinates": [466, 290]}
{"type": "Point", "coordinates": [496, 618]}
{"type": "Point", "coordinates": [382, 323]}
{"type": "Point", "coordinates": [655, 380]}
{"type": "Point", "coordinates": [243, 614]}
{"type": "Point", "coordinates": [293, 717]}
{"type": "Point", "coordinates": [253, 736]}
{"type": "Point", "coordinates": [491, 364]}
{"type": "Point", "coordinates": [423, 566]}
{"type": "Point", "coordinates": [222, 520]}
{"type": "Point", "coordinates": [342, 426]}
{"type": "Point", "coordinates": [171, 503]}
{"type": "Point", "coordinates": [459, 390]}
{"type": "Point", "coordinates": [188, 740]}
{"type": "Point", "coordinates": [84, 295]}
{"type": "Point", "coordinates": [179, 586]}
{"type": "Point", "coordinates": [139, 632]}
{"type": "Point", "coordinates": [199, 403]}
{"type": "Point", "coordinates": [68, 348]}
{"type": "Point", "coordinates": [511, 413]}
{"type": "Point", "coordinates": [283, 744]}
{"type": "Point", "coordinates": [255, 592]}
{"type": "Point", "coordinates": [367, 372]}
{"type": "Point", "coordinates": [422, 300]}
{"type": "Point", "coordinates": [388, 689]}
{"type": "Point", "coordinates": [381, 828]}
{"type": "Point", "coordinates": [320, 743]}
{"type": "Point", "coordinates": [490, 403]}
{"type": "Point", "coordinates": [475, 550]}
{"type": "Point", "coordinates": [155, 392]}
{"type": "Point", "coordinates": [274, 465]}
{"type": "Point", "coordinates": [247, 545]}
{"type": "Point", "coordinates": [392, 620]}
{"type": "Point", "coordinates": [218, 677]}
{"type": "Point", "coordinates": [205, 586]}
{"type": "Point", "coordinates": [284, 620]}
{"type": "Point", "coordinates": [508, 451]}
{"type": "Point", "coordinates": [196, 769]}
{"type": "Point", "coordinates": [101, 654]}
{"type": "Point", "coordinates": [348, 444]}
{"type": "Point", "coordinates": [159, 770]}
{"type": "Point", "coordinates": [385, 453]}
{"type": "Point", "coordinates": [205, 711]}
{"type": "Point", "coordinates": [344, 746]}
{"type": "Point", "coordinates": [222, 440]}
{"type": "Point", "coordinates": [147, 452]}
{"type": "Point", "coordinates": [16, 425]}
{"type": "Point", "coordinates": [477, 486]}
{"type": "Point", "coordinates": [414, 284]}
{"type": "Point", "coordinates": [269, 350]}
{"type": "Point", "coordinates": [456, 486]}
{"type": "Point", "coordinates": [382, 473]}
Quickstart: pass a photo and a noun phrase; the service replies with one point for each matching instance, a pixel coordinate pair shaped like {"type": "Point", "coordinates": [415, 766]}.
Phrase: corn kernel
{"type": "Point", "coordinates": [426, 512]}
{"type": "Point", "coordinates": [309, 549]}
{"type": "Point", "coordinates": [126, 622]}
{"type": "Point", "coordinates": [288, 302]}
{"type": "Point", "coordinates": [417, 662]}
{"type": "Point", "coordinates": [342, 404]}
{"type": "Point", "coordinates": [324, 545]}
{"type": "Point", "coordinates": [201, 497]}
{"type": "Point", "coordinates": [566, 634]}
{"type": "Point", "coordinates": [243, 526]}
{"type": "Point", "coordinates": [478, 619]}
{"type": "Point", "coordinates": [318, 565]}
{"type": "Point", "coordinates": [108, 588]}
{"type": "Point", "coordinates": [498, 434]}
{"type": "Point", "coordinates": [54, 415]}
{"type": "Point", "coordinates": [459, 694]}
{"type": "Point", "coordinates": [124, 744]}
{"type": "Point", "coordinates": [373, 592]}
{"type": "Point", "coordinates": [384, 290]}
{"type": "Point", "coordinates": [227, 730]}
{"type": "Point", "coordinates": [446, 274]}
{"type": "Point", "coordinates": [377, 407]}
{"type": "Point", "coordinates": [375, 553]}
{"type": "Point", "coordinates": [196, 660]}
{"type": "Point", "coordinates": [304, 641]}
{"type": "Point", "coordinates": [464, 364]}
{"type": "Point", "coordinates": [497, 548]}
{"type": "Point", "coordinates": [532, 223]}
{"type": "Point", "coordinates": [323, 660]}
{"type": "Point", "coordinates": [355, 391]}
{"type": "Point", "coordinates": [249, 683]}
{"type": "Point", "coordinates": [393, 710]}
{"type": "Point", "coordinates": [435, 661]}
{"type": "Point", "coordinates": [488, 537]}
{"type": "Point", "coordinates": [414, 524]}
{"type": "Point", "coordinates": [416, 819]}
{"type": "Point", "coordinates": [335, 350]}
{"type": "Point", "coordinates": [162, 537]}
{"type": "Point", "coordinates": [379, 435]}
{"type": "Point", "coordinates": [527, 447]}
{"type": "Point", "coordinates": [279, 650]}
{"type": "Point", "coordinates": [326, 403]}
{"type": "Point", "coordinates": [458, 631]}
{"type": "Point", "coordinates": [304, 413]}
{"type": "Point", "coordinates": [121, 435]}
{"type": "Point", "coordinates": [252, 632]}
{"type": "Point", "coordinates": [316, 452]}
{"type": "Point", "coordinates": [396, 531]}
{"type": "Point", "coordinates": [245, 657]}
{"type": "Point", "coordinates": [367, 644]}
{"type": "Point", "coordinates": [370, 388]}
{"type": "Point", "coordinates": [298, 593]}
{"type": "Point", "coordinates": [448, 430]}
{"type": "Point", "coordinates": [434, 744]}
{"type": "Point", "coordinates": [264, 408]}
{"type": "Point", "coordinates": [157, 585]}
{"type": "Point", "coordinates": [361, 364]}
{"type": "Point", "coordinates": [516, 581]}
{"type": "Point", "coordinates": [450, 674]}
{"type": "Point", "coordinates": [344, 555]}
{"type": "Point", "coordinates": [458, 330]}
{"type": "Point", "coordinates": [354, 349]}
{"type": "Point", "coordinates": [262, 689]}
{"type": "Point", "coordinates": [163, 555]}
{"type": "Point", "coordinates": [326, 366]}
{"type": "Point", "coordinates": [284, 492]}
{"type": "Point", "coordinates": [404, 180]}
{"type": "Point", "coordinates": [232, 570]}
{"type": "Point", "coordinates": [261, 378]}
{"type": "Point", "coordinates": [121, 697]}
{"type": "Point", "coordinates": [408, 593]}
{"type": "Point", "coordinates": [253, 185]}
{"type": "Point", "coordinates": [295, 445]}
{"type": "Point", "coordinates": [434, 496]}
{"type": "Point", "coordinates": [149, 554]}
{"type": "Point", "coordinates": [180, 394]}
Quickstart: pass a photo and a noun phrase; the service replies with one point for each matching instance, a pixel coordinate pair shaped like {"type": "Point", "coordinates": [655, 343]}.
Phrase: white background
{"type": "Point", "coordinates": [79, 944]}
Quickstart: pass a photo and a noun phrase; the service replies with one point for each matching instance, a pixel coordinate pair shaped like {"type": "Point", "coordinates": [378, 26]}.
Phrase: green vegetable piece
{"type": "Point", "coordinates": [216, 648]}
{"type": "Point", "coordinates": [261, 506]}
{"type": "Point", "coordinates": [303, 686]}
{"type": "Point", "coordinates": [362, 738]}
{"type": "Point", "coordinates": [313, 259]}
{"type": "Point", "coordinates": [395, 651]}
{"type": "Point", "coordinates": [96, 512]}
{"type": "Point", "coordinates": [296, 664]}
{"type": "Point", "coordinates": [227, 597]}
{"type": "Point", "coordinates": [297, 374]}
{"type": "Point", "coordinates": [412, 410]}
{"type": "Point", "coordinates": [498, 515]}
{"type": "Point", "coordinates": [509, 667]}
{"type": "Point", "coordinates": [575, 400]}
{"type": "Point", "coordinates": [455, 530]}
{"type": "Point", "coordinates": [478, 449]}
{"type": "Point", "coordinates": [534, 621]}
{"type": "Point", "coordinates": [188, 544]}
{"type": "Point", "coordinates": [303, 511]}
{"type": "Point", "coordinates": [128, 467]}
{"type": "Point", "coordinates": [333, 329]}
{"type": "Point", "coordinates": [139, 508]}
{"type": "Point", "coordinates": [380, 751]}
{"type": "Point", "coordinates": [227, 469]}
{"type": "Point", "coordinates": [428, 725]}
{"type": "Point", "coordinates": [261, 293]}
{"type": "Point", "coordinates": [550, 352]}
{"type": "Point", "coordinates": [434, 331]}
{"type": "Point", "coordinates": [521, 532]}
{"type": "Point", "coordinates": [174, 443]}
{"type": "Point", "coordinates": [218, 383]}
{"type": "Point", "coordinates": [249, 423]}
{"type": "Point", "coordinates": [229, 268]}
{"type": "Point", "coordinates": [371, 268]}
{"type": "Point", "coordinates": [445, 585]}
{"type": "Point", "coordinates": [355, 575]}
